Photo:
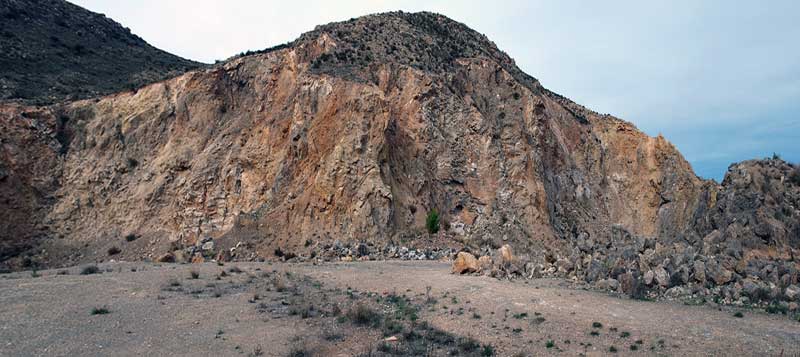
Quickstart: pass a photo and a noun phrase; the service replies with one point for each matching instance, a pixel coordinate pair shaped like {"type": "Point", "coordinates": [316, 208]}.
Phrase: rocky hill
{"type": "Point", "coordinates": [51, 50]}
{"type": "Point", "coordinates": [343, 142]}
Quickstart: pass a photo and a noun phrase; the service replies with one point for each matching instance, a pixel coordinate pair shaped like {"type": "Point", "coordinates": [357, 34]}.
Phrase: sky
{"type": "Point", "coordinates": [719, 79]}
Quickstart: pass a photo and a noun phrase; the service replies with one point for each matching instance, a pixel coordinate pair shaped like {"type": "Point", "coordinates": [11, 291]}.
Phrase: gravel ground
{"type": "Point", "coordinates": [162, 310]}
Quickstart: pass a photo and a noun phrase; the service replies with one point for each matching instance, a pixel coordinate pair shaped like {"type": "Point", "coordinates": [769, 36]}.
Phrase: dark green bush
{"type": "Point", "coordinates": [91, 269]}
{"type": "Point", "coordinates": [432, 222]}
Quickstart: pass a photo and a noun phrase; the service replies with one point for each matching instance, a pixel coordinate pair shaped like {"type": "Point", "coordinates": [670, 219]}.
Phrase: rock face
{"type": "Point", "coordinates": [354, 132]}
{"type": "Point", "coordinates": [52, 50]}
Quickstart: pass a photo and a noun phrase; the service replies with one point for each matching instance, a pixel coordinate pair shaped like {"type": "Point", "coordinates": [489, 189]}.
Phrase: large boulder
{"type": "Point", "coordinates": [632, 285]}
{"type": "Point", "coordinates": [718, 273]}
{"type": "Point", "coordinates": [465, 263]}
{"type": "Point", "coordinates": [505, 255]}
{"type": "Point", "coordinates": [648, 277]}
{"type": "Point", "coordinates": [699, 271]}
{"type": "Point", "coordinates": [608, 284]}
{"type": "Point", "coordinates": [485, 263]}
{"type": "Point", "coordinates": [792, 292]}
{"type": "Point", "coordinates": [166, 258]}
{"type": "Point", "coordinates": [661, 276]}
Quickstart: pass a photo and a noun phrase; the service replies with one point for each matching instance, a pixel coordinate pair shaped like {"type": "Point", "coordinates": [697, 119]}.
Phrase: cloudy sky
{"type": "Point", "coordinates": [720, 79]}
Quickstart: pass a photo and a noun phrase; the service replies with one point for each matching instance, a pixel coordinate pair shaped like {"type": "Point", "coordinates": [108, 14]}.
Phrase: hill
{"type": "Point", "coordinates": [343, 144]}
{"type": "Point", "coordinates": [51, 51]}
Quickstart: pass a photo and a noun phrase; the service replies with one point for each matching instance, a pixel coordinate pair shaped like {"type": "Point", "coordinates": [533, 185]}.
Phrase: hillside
{"type": "Point", "coordinates": [340, 145]}
{"type": "Point", "coordinates": [51, 51]}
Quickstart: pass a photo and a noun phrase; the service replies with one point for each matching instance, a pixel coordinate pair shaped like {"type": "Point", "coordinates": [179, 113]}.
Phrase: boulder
{"type": "Point", "coordinates": [595, 271]}
{"type": "Point", "coordinates": [485, 263]}
{"type": "Point", "coordinates": [631, 285]}
{"type": "Point", "coordinates": [208, 246]}
{"type": "Point", "coordinates": [166, 258]}
{"type": "Point", "coordinates": [223, 256]}
{"type": "Point", "coordinates": [608, 284]}
{"type": "Point", "coordinates": [751, 289]}
{"type": "Point", "coordinates": [718, 273]}
{"type": "Point", "coordinates": [465, 263]}
{"type": "Point", "coordinates": [792, 292]}
{"type": "Point", "coordinates": [676, 292]}
{"type": "Point", "coordinates": [505, 254]}
{"type": "Point", "coordinates": [661, 276]}
{"type": "Point", "coordinates": [699, 271]}
{"type": "Point", "coordinates": [198, 258]}
{"type": "Point", "coordinates": [648, 277]}
{"type": "Point", "coordinates": [362, 250]}
{"type": "Point", "coordinates": [564, 265]}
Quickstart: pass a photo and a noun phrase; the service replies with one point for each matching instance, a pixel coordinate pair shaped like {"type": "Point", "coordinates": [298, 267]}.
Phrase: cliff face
{"type": "Point", "coordinates": [353, 132]}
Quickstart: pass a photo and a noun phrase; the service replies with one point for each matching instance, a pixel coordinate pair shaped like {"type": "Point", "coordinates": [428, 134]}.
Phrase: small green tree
{"type": "Point", "coordinates": [432, 221]}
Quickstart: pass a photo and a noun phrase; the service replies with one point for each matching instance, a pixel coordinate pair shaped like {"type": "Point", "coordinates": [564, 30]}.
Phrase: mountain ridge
{"type": "Point", "coordinates": [55, 51]}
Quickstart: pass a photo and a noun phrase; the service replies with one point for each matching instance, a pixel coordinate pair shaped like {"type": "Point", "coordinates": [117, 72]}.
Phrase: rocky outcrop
{"type": "Point", "coordinates": [352, 134]}
{"type": "Point", "coordinates": [465, 263]}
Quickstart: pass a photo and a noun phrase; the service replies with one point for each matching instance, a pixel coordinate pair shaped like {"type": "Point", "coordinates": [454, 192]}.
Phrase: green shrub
{"type": "Point", "coordinates": [363, 315]}
{"type": "Point", "coordinates": [432, 222]}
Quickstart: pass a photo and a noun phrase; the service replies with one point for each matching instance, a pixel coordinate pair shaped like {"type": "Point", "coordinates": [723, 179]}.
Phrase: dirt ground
{"type": "Point", "coordinates": [349, 309]}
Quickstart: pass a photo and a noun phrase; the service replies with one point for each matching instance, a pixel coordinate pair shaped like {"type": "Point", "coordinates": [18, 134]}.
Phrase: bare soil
{"type": "Point", "coordinates": [348, 309]}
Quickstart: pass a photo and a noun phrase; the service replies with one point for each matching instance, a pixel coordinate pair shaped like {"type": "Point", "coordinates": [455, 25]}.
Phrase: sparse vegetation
{"type": "Point", "coordinates": [114, 250]}
{"type": "Point", "coordinates": [100, 311]}
{"type": "Point", "coordinates": [777, 308]}
{"type": "Point", "coordinates": [612, 349]}
{"type": "Point", "coordinates": [597, 325]}
{"type": "Point", "coordinates": [550, 344]}
{"type": "Point", "coordinates": [361, 314]}
{"type": "Point", "coordinates": [738, 314]}
{"type": "Point", "coordinates": [194, 274]}
{"type": "Point", "coordinates": [130, 237]}
{"type": "Point", "coordinates": [91, 269]}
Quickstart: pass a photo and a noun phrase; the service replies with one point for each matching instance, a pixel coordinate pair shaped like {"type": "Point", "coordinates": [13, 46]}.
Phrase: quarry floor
{"type": "Point", "coordinates": [161, 309]}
